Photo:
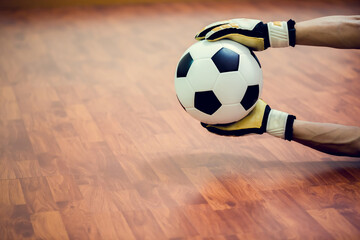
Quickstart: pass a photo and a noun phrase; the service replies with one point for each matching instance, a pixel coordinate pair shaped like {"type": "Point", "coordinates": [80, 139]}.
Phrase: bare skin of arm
{"type": "Point", "coordinates": [333, 31]}
{"type": "Point", "coordinates": [329, 138]}
{"type": "Point", "coordinates": [337, 32]}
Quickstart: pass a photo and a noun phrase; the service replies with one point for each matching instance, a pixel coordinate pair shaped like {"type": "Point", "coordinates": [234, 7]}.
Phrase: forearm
{"type": "Point", "coordinates": [333, 139]}
{"type": "Point", "coordinates": [332, 31]}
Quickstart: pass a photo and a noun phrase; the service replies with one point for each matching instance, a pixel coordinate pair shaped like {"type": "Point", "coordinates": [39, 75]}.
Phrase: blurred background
{"type": "Point", "coordinates": [94, 144]}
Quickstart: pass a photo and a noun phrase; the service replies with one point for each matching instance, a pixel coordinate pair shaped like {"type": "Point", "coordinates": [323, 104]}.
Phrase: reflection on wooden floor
{"type": "Point", "coordinates": [94, 145]}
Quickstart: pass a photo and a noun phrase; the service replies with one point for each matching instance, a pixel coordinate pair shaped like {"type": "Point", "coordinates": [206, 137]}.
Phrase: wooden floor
{"type": "Point", "coordinates": [94, 145]}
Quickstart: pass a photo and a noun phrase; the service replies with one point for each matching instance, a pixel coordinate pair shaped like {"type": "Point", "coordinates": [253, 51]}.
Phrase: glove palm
{"type": "Point", "coordinates": [261, 119]}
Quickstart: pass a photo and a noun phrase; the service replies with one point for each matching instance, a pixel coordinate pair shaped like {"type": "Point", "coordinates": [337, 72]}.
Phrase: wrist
{"type": "Point", "coordinates": [280, 124]}
{"type": "Point", "coordinates": [281, 34]}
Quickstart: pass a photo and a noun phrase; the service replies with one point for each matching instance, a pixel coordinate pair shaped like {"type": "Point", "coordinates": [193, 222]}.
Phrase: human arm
{"type": "Point", "coordinates": [330, 31]}
{"type": "Point", "coordinates": [329, 138]}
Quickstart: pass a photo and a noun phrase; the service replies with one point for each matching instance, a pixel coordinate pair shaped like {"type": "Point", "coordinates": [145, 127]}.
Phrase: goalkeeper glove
{"type": "Point", "coordinates": [252, 33]}
{"type": "Point", "coordinates": [261, 119]}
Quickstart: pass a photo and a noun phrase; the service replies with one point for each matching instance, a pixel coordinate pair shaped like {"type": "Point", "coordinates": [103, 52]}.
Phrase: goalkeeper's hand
{"type": "Point", "coordinates": [252, 33]}
{"type": "Point", "coordinates": [261, 119]}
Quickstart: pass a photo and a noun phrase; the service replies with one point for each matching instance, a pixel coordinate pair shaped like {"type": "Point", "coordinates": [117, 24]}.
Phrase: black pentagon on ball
{"type": "Point", "coordinates": [226, 60]}
{"type": "Point", "coordinates": [250, 97]}
{"type": "Point", "coordinates": [207, 102]}
{"type": "Point", "coordinates": [184, 65]}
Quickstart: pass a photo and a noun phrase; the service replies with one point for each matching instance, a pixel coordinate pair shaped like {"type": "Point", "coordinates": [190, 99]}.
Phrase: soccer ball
{"type": "Point", "coordinates": [218, 82]}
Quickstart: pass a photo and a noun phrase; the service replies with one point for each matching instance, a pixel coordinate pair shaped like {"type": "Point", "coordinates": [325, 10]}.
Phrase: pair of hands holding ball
{"type": "Point", "coordinates": [257, 36]}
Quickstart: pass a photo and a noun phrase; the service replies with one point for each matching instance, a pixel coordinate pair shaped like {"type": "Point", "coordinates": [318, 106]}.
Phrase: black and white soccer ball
{"type": "Point", "coordinates": [218, 82]}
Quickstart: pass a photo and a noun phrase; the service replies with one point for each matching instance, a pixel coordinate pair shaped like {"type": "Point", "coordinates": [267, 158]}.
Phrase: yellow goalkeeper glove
{"type": "Point", "coordinates": [252, 33]}
{"type": "Point", "coordinates": [261, 119]}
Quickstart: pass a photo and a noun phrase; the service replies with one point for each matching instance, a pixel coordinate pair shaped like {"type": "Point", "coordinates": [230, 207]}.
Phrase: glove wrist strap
{"type": "Point", "coordinates": [292, 32]}
{"type": "Point", "coordinates": [280, 124]}
{"type": "Point", "coordinates": [282, 34]}
{"type": "Point", "coordinates": [278, 34]}
{"type": "Point", "coordinates": [289, 127]}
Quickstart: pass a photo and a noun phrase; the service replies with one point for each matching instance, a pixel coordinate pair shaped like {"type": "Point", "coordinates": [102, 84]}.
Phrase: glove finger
{"type": "Point", "coordinates": [201, 35]}
{"type": "Point", "coordinates": [216, 130]}
{"type": "Point", "coordinates": [246, 24]}
{"type": "Point", "coordinates": [234, 133]}
{"type": "Point", "coordinates": [250, 29]}
{"type": "Point", "coordinates": [221, 32]}
{"type": "Point", "coordinates": [230, 31]}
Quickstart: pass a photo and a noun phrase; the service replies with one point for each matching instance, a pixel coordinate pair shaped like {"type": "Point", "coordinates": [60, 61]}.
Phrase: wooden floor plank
{"type": "Point", "coordinates": [174, 223]}
{"type": "Point", "coordinates": [335, 223]}
{"type": "Point", "coordinates": [15, 222]}
{"type": "Point", "coordinates": [79, 223]}
{"type": "Point", "coordinates": [49, 225]}
{"type": "Point", "coordinates": [37, 194]}
{"type": "Point", "coordinates": [144, 225]}
{"type": "Point", "coordinates": [12, 193]}
{"type": "Point", "coordinates": [216, 195]}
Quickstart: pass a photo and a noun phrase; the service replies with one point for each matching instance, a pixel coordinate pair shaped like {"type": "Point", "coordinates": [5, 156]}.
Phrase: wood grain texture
{"type": "Point", "coordinates": [94, 144]}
